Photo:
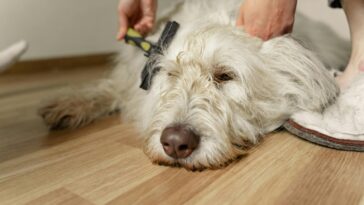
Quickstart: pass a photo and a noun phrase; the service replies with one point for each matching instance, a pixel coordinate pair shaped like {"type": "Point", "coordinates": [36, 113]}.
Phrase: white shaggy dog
{"type": "Point", "coordinates": [218, 89]}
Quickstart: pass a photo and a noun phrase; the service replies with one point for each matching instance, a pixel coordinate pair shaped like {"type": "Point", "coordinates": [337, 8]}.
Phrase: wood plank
{"type": "Point", "coordinates": [11, 85]}
{"type": "Point", "coordinates": [62, 63]}
{"type": "Point", "coordinates": [169, 187]}
{"type": "Point", "coordinates": [60, 197]}
{"type": "Point", "coordinates": [35, 174]}
{"type": "Point", "coordinates": [132, 170]}
{"type": "Point", "coordinates": [287, 170]}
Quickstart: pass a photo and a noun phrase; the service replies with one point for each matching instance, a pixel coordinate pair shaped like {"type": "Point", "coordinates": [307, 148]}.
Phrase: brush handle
{"type": "Point", "coordinates": [134, 38]}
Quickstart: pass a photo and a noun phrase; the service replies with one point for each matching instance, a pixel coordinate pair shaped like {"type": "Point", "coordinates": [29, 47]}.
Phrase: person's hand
{"type": "Point", "coordinates": [139, 14]}
{"type": "Point", "coordinates": [267, 18]}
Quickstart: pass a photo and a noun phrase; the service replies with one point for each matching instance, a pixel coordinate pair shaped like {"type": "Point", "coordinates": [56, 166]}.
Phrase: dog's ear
{"type": "Point", "coordinates": [303, 75]}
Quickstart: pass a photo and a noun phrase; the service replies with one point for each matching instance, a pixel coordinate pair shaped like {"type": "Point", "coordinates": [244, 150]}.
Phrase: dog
{"type": "Point", "coordinates": [218, 90]}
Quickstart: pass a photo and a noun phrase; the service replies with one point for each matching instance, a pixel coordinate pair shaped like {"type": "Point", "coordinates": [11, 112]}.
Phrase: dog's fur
{"type": "Point", "coordinates": [225, 85]}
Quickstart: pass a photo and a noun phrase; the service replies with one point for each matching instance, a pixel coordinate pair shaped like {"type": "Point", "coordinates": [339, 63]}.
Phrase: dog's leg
{"type": "Point", "coordinates": [77, 108]}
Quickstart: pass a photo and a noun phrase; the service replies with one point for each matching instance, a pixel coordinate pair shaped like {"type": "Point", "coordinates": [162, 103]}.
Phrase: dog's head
{"type": "Point", "coordinates": [218, 90]}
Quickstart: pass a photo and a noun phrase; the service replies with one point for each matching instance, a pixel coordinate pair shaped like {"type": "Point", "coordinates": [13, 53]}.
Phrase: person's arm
{"type": "Point", "coordinates": [139, 14]}
{"type": "Point", "coordinates": [267, 18]}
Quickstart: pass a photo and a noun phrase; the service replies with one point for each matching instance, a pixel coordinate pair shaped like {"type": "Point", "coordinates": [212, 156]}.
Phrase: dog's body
{"type": "Point", "coordinates": [216, 83]}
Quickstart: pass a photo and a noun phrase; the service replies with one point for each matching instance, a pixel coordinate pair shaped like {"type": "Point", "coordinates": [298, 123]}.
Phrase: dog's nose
{"type": "Point", "coordinates": [179, 141]}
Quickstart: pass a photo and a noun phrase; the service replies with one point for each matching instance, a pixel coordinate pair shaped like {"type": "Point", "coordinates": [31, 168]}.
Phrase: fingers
{"type": "Point", "coordinates": [144, 26]}
{"type": "Point", "coordinates": [146, 23]}
{"type": "Point", "coordinates": [267, 19]}
{"type": "Point", "coordinates": [123, 25]}
{"type": "Point", "coordinates": [139, 14]}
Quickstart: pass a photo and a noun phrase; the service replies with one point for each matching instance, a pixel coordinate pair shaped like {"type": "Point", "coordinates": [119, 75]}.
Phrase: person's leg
{"type": "Point", "coordinates": [354, 10]}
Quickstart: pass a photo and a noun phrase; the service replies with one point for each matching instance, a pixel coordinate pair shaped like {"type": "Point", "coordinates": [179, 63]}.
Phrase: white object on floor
{"type": "Point", "coordinates": [342, 120]}
{"type": "Point", "coordinates": [12, 54]}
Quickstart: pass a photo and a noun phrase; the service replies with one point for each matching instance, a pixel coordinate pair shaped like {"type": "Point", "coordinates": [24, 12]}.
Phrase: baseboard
{"type": "Point", "coordinates": [69, 62]}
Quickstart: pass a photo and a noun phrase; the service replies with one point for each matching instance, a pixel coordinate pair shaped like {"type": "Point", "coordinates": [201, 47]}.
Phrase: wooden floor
{"type": "Point", "coordinates": [103, 163]}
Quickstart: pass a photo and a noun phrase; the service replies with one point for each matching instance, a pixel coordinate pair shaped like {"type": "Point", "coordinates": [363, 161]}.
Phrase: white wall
{"type": "Point", "coordinates": [76, 27]}
{"type": "Point", "coordinates": [318, 10]}
{"type": "Point", "coordinates": [59, 27]}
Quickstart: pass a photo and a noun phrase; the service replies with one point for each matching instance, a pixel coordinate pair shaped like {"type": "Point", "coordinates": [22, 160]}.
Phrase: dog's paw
{"type": "Point", "coordinates": [64, 114]}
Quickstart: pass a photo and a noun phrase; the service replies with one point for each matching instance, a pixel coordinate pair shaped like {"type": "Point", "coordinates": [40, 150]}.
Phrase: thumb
{"type": "Point", "coordinates": [240, 18]}
{"type": "Point", "coordinates": [123, 25]}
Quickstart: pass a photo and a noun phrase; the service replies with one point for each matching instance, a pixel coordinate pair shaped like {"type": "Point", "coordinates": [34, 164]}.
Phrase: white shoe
{"type": "Point", "coordinates": [340, 126]}
{"type": "Point", "coordinates": [10, 55]}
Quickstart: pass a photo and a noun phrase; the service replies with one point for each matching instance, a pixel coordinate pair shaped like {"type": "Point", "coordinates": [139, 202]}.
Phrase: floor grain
{"type": "Point", "coordinates": [103, 163]}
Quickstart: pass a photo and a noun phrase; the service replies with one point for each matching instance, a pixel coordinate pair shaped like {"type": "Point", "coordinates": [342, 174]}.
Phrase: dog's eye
{"type": "Point", "coordinates": [223, 77]}
{"type": "Point", "coordinates": [171, 74]}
